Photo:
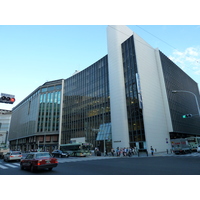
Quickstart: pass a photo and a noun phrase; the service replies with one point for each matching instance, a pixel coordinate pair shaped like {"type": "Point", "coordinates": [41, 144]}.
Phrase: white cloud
{"type": "Point", "coordinates": [192, 51]}
{"type": "Point", "coordinates": [187, 59]}
{"type": "Point", "coordinates": [197, 72]}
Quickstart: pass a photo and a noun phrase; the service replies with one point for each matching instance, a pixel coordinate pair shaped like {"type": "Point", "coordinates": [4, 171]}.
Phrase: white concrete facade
{"type": "Point", "coordinates": [157, 121]}
{"type": "Point", "coordinates": [115, 36]}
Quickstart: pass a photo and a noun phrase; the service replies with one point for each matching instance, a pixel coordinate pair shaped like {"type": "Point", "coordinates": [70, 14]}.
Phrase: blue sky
{"type": "Point", "coordinates": [30, 55]}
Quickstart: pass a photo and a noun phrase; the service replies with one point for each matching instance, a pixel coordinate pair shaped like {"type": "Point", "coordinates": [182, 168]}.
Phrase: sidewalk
{"type": "Point", "coordinates": [162, 154]}
{"type": "Point", "coordinates": [77, 159]}
{"type": "Point", "coordinates": [102, 157]}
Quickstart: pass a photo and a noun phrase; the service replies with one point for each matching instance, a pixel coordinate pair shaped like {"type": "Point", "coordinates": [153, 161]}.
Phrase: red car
{"type": "Point", "coordinates": [38, 160]}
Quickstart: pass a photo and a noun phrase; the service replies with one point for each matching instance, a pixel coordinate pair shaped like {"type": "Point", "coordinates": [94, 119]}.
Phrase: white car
{"type": "Point", "coordinates": [198, 149]}
{"type": "Point", "coordinates": [13, 155]}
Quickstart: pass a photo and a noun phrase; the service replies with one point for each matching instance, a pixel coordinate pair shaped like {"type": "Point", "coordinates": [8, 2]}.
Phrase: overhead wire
{"type": "Point", "coordinates": [146, 32]}
{"type": "Point", "coordinates": [129, 35]}
{"type": "Point", "coordinates": [157, 37]}
{"type": "Point", "coordinates": [152, 35]}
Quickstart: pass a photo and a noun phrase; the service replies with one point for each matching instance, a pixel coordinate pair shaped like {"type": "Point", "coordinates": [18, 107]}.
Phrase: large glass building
{"type": "Point", "coordinates": [86, 103]}
{"type": "Point", "coordinates": [124, 99]}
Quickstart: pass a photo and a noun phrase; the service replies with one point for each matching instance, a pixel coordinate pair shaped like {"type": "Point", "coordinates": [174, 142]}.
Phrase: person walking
{"type": "Point", "coordinates": [95, 151]}
{"type": "Point", "coordinates": [112, 151]}
{"type": "Point", "coordinates": [118, 151]}
{"type": "Point", "coordinates": [152, 150]}
{"type": "Point", "coordinates": [130, 152]}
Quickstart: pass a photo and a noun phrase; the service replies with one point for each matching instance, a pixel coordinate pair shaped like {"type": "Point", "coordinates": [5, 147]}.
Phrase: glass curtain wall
{"type": "Point", "coordinates": [49, 109]}
{"type": "Point", "coordinates": [86, 102]}
{"type": "Point", "coordinates": [133, 98]}
{"type": "Point", "coordinates": [180, 103]}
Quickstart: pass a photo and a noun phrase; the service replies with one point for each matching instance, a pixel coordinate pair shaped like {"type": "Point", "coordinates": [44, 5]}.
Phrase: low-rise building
{"type": "Point", "coordinates": [35, 121]}
{"type": "Point", "coordinates": [5, 117]}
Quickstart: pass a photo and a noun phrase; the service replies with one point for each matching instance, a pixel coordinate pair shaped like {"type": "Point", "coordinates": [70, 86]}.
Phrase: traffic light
{"type": "Point", "coordinates": [7, 98]}
{"type": "Point", "coordinates": [187, 116]}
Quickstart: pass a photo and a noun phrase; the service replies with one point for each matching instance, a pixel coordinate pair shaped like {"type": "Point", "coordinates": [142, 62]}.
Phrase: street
{"type": "Point", "coordinates": [156, 165]}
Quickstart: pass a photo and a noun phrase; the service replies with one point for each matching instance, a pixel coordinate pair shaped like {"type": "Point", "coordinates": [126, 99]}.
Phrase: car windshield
{"type": "Point", "coordinates": [16, 153]}
{"type": "Point", "coordinates": [39, 155]}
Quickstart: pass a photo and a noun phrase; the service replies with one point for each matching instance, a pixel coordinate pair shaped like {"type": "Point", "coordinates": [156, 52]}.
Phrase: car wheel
{"type": "Point", "coordinates": [21, 167]}
{"type": "Point", "coordinates": [60, 156]}
{"type": "Point", "coordinates": [50, 168]}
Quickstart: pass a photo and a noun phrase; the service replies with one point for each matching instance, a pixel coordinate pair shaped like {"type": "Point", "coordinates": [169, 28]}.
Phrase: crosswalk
{"type": "Point", "coordinates": [10, 165]}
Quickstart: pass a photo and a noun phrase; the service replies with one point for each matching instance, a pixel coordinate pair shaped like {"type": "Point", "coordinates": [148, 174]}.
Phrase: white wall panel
{"type": "Point", "coordinates": [156, 121]}
{"type": "Point", "coordinates": [116, 35]}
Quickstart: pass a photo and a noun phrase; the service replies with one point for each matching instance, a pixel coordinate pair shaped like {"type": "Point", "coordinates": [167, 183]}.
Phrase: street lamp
{"type": "Point", "coordinates": [177, 91]}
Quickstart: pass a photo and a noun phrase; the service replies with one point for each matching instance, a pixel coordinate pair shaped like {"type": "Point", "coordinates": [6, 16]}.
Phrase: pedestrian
{"type": "Point", "coordinates": [120, 152]}
{"type": "Point", "coordinates": [117, 151]}
{"type": "Point", "coordinates": [95, 151]}
{"type": "Point", "coordinates": [106, 152]}
{"type": "Point", "coordinates": [135, 150]}
{"type": "Point", "coordinates": [129, 152]}
{"type": "Point", "coordinates": [152, 151]}
{"type": "Point", "coordinates": [124, 151]}
{"type": "Point", "coordinates": [112, 151]}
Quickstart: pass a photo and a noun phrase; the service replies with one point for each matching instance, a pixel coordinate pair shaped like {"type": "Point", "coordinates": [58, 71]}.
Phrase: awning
{"type": "Point", "coordinates": [104, 132]}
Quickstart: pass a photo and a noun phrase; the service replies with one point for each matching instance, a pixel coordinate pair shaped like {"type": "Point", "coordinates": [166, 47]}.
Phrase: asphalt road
{"type": "Point", "coordinates": [118, 166]}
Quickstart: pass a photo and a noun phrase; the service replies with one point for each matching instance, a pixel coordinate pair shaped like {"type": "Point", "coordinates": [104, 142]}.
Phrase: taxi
{"type": "Point", "coordinates": [38, 160]}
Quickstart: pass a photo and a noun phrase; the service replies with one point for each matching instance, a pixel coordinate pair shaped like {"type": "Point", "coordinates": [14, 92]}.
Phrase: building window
{"type": "Point", "coordinates": [85, 94]}
{"type": "Point", "coordinates": [49, 110]}
{"type": "Point", "coordinates": [55, 138]}
{"type": "Point", "coordinates": [134, 104]}
{"type": "Point", "coordinates": [48, 138]}
{"type": "Point", "coordinates": [41, 138]}
{"type": "Point", "coordinates": [29, 107]}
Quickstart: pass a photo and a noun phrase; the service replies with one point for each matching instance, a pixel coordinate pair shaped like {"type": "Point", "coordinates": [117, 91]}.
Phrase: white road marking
{"type": "Point", "coordinates": [3, 167]}
{"type": "Point", "coordinates": [9, 165]}
{"type": "Point", "coordinates": [16, 164]}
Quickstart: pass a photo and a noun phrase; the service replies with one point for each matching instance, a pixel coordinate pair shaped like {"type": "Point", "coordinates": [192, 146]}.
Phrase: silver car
{"type": "Point", "coordinates": [13, 155]}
